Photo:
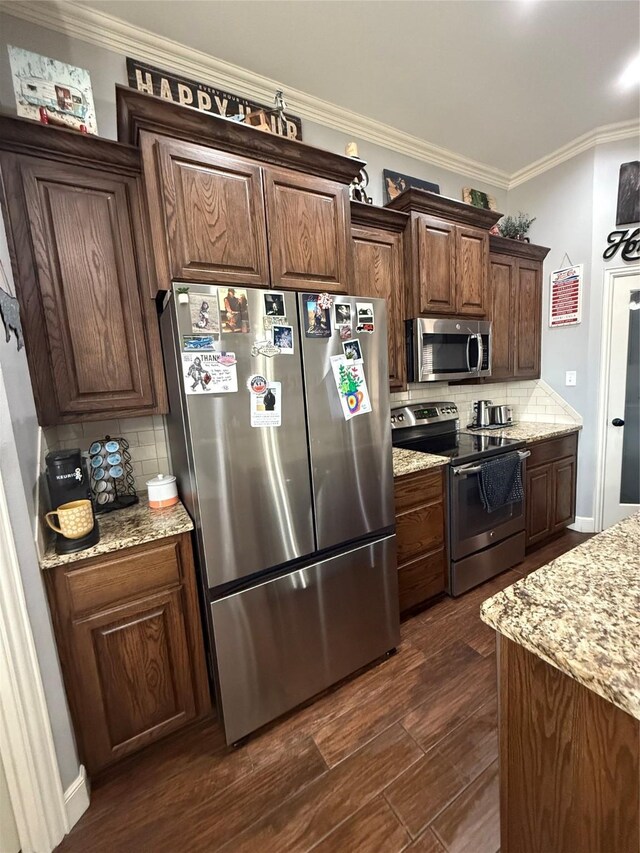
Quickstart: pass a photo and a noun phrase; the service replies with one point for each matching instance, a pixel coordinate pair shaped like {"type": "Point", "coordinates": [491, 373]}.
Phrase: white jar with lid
{"type": "Point", "coordinates": [163, 491]}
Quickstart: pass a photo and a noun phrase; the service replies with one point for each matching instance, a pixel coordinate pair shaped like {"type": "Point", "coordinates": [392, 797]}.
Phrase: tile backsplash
{"type": "Point", "coordinates": [146, 436]}
{"type": "Point", "coordinates": [531, 400]}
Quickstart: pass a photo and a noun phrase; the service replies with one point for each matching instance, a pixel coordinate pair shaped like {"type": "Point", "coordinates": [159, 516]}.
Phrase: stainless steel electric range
{"type": "Point", "coordinates": [481, 544]}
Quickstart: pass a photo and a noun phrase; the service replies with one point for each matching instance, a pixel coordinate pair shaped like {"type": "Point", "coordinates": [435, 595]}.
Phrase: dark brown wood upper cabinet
{"type": "Point", "coordinates": [308, 221]}
{"type": "Point", "coordinates": [447, 255]}
{"type": "Point", "coordinates": [76, 236]}
{"type": "Point", "coordinates": [502, 287]}
{"type": "Point", "coordinates": [378, 272]}
{"type": "Point", "coordinates": [214, 215]}
{"type": "Point", "coordinates": [434, 266]}
{"type": "Point", "coordinates": [472, 268]}
{"type": "Point", "coordinates": [515, 308]}
{"type": "Point", "coordinates": [528, 320]}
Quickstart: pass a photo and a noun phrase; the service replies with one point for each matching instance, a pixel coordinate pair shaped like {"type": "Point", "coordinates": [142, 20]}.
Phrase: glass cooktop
{"type": "Point", "coordinates": [460, 447]}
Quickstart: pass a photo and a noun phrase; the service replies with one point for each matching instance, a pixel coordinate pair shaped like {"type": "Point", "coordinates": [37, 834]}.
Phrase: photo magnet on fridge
{"type": "Point", "coordinates": [346, 332]}
{"type": "Point", "coordinates": [209, 372]}
{"type": "Point", "coordinates": [274, 304]}
{"type": "Point", "coordinates": [234, 310]}
{"type": "Point", "coordinates": [342, 314]}
{"type": "Point", "coordinates": [204, 314]}
{"type": "Point", "coordinates": [352, 351]}
{"type": "Point", "coordinates": [266, 407]}
{"type": "Point", "coordinates": [191, 343]}
{"type": "Point", "coordinates": [317, 320]}
{"type": "Point", "coordinates": [364, 317]}
{"type": "Point", "coordinates": [283, 339]}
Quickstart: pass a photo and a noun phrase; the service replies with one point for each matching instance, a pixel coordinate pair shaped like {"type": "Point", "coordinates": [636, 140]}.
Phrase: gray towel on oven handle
{"type": "Point", "coordinates": [500, 481]}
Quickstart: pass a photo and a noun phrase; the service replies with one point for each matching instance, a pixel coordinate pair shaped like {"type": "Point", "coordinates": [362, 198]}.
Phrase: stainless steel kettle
{"type": "Point", "coordinates": [481, 409]}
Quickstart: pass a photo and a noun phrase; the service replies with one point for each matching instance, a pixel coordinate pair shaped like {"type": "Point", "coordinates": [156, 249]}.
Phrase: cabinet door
{"type": "Point", "coordinates": [434, 265]}
{"type": "Point", "coordinates": [308, 220]}
{"type": "Point", "coordinates": [564, 492]}
{"type": "Point", "coordinates": [528, 319]}
{"type": "Point", "coordinates": [472, 267]}
{"type": "Point", "coordinates": [214, 215]}
{"type": "Point", "coordinates": [539, 499]}
{"type": "Point", "coordinates": [502, 272]}
{"type": "Point", "coordinates": [91, 330]}
{"type": "Point", "coordinates": [134, 676]}
{"type": "Point", "coordinates": [378, 272]}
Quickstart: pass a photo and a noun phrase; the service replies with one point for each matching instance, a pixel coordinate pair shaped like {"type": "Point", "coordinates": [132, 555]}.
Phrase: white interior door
{"type": "Point", "coordinates": [621, 492]}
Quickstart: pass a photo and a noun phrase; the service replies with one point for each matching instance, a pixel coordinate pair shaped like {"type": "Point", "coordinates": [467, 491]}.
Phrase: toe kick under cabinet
{"type": "Point", "coordinates": [129, 638]}
{"type": "Point", "coordinates": [420, 536]}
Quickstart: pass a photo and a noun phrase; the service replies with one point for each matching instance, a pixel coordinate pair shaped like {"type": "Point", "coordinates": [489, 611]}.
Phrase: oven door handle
{"type": "Point", "coordinates": [464, 470]}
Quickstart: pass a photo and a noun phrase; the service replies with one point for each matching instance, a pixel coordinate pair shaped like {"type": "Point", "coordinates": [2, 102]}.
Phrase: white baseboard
{"type": "Point", "coordinates": [583, 524]}
{"type": "Point", "coordinates": [76, 798]}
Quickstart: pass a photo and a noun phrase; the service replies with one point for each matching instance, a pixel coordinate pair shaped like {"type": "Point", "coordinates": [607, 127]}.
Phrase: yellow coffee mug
{"type": "Point", "coordinates": [75, 519]}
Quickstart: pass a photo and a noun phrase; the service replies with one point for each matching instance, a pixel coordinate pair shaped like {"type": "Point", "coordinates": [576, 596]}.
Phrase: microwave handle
{"type": "Point", "coordinates": [480, 353]}
{"type": "Point", "coordinates": [469, 338]}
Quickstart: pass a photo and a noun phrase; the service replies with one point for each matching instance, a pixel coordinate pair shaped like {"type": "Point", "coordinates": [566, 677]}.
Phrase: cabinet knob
{"type": "Point", "coordinates": [617, 422]}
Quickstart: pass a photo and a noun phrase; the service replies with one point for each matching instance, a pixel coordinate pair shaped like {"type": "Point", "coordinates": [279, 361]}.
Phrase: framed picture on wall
{"type": "Point", "coordinates": [396, 183]}
{"type": "Point", "coordinates": [628, 211]}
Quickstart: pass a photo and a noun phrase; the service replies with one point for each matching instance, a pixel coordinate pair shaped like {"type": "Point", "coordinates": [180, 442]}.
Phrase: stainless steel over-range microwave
{"type": "Point", "coordinates": [448, 348]}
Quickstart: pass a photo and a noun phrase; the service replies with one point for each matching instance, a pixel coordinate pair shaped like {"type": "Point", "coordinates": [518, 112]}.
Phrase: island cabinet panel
{"type": "Point", "coordinates": [378, 272]}
{"type": "Point", "coordinates": [432, 253]}
{"type": "Point", "coordinates": [420, 535]}
{"type": "Point", "coordinates": [528, 320]}
{"type": "Point", "coordinates": [214, 215]}
{"type": "Point", "coordinates": [502, 283]}
{"type": "Point", "coordinates": [551, 487]}
{"type": "Point", "coordinates": [129, 636]}
{"type": "Point", "coordinates": [79, 254]}
{"type": "Point", "coordinates": [472, 266]}
{"type": "Point", "coordinates": [308, 220]}
{"type": "Point", "coordinates": [569, 762]}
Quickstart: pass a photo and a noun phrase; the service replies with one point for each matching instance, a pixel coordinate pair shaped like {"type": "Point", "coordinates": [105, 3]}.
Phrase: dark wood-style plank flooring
{"type": "Point", "coordinates": [403, 757]}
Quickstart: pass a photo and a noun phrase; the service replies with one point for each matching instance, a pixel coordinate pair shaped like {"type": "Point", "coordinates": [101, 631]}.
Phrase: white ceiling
{"type": "Point", "coordinates": [504, 82]}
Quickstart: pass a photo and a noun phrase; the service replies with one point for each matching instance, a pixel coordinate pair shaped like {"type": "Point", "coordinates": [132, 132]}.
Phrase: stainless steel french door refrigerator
{"type": "Point", "coordinates": [287, 475]}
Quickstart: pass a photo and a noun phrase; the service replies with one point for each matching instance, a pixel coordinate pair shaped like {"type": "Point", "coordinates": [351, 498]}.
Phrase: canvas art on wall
{"type": "Point", "coordinates": [62, 90]}
{"type": "Point", "coordinates": [479, 199]}
{"type": "Point", "coordinates": [396, 183]}
{"type": "Point", "coordinates": [628, 211]}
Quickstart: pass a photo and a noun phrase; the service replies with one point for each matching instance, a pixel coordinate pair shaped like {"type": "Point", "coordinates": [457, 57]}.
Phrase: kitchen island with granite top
{"type": "Point", "coordinates": [569, 694]}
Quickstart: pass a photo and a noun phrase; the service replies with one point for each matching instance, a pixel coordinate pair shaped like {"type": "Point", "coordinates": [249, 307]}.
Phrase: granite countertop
{"type": "Point", "coordinates": [410, 461]}
{"type": "Point", "coordinates": [124, 528]}
{"type": "Point", "coordinates": [529, 431]}
{"type": "Point", "coordinates": [581, 613]}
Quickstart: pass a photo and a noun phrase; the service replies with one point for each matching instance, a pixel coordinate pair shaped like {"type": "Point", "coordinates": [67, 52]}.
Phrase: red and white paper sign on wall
{"type": "Point", "coordinates": [565, 302]}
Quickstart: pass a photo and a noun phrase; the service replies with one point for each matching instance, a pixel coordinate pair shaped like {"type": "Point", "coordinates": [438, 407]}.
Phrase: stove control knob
{"type": "Point", "coordinates": [400, 417]}
{"type": "Point", "coordinates": [393, 419]}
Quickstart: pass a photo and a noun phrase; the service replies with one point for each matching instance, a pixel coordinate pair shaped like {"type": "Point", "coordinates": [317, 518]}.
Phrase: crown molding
{"type": "Point", "coordinates": [75, 20]}
{"type": "Point", "coordinates": [90, 25]}
{"type": "Point", "coordinates": [598, 136]}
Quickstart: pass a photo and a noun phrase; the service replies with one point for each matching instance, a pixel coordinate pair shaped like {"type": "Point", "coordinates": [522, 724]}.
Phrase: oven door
{"type": "Point", "coordinates": [443, 349]}
{"type": "Point", "coordinates": [472, 528]}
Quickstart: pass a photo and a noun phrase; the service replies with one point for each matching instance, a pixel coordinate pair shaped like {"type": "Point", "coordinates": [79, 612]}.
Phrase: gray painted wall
{"type": "Point", "coordinates": [575, 206]}
{"type": "Point", "coordinates": [20, 463]}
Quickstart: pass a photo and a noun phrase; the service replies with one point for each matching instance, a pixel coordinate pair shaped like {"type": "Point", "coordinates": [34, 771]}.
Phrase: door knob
{"type": "Point", "coordinates": [617, 422]}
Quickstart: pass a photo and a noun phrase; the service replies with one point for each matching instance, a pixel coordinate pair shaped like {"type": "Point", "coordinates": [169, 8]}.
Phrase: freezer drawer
{"type": "Point", "coordinates": [283, 641]}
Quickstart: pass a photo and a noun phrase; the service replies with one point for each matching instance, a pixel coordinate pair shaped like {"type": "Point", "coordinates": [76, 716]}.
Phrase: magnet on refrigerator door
{"type": "Point", "coordinates": [204, 314]}
{"type": "Point", "coordinates": [317, 319]}
{"type": "Point", "coordinates": [274, 305]}
{"type": "Point", "coordinates": [234, 310]}
{"type": "Point", "coordinates": [351, 384]}
{"type": "Point", "coordinates": [266, 407]}
{"type": "Point", "coordinates": [283, 339]}
{"type": "Point", "coordinates": [352, 351]}
{"type": "Point", "coordinates": [209, 372]}
{"type": "Point", "coordinates": [198, 342]}
{"type": "Point", "coordinates": [342, 314]}
{"type": "Point", "coordinates": [365, 321]}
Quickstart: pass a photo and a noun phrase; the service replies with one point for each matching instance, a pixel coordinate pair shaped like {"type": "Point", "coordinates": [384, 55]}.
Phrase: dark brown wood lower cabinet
{"type": "Point", "coordinates": [569, 762]}
{"type": "Point", "coordinates": [551, 487]}
{"type": "Point", "coordinates": [420, 532]}
{"type": "Point", "coordinates": [129, 636]}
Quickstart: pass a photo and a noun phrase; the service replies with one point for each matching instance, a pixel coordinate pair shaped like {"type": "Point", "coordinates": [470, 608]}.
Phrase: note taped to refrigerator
{"type": "Point", "coordinates": [209, 372]}
{"type": "Point", "coordinates": [266, 408]}
{"type": "Point", "coordinates": [352, 386]}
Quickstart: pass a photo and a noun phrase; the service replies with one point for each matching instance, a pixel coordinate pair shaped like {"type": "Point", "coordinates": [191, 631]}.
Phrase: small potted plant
{"type": "Point", "coordinates": [516, 227]}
